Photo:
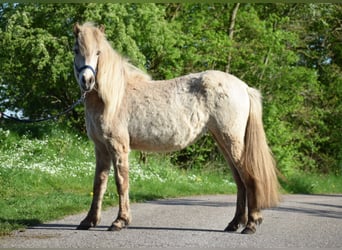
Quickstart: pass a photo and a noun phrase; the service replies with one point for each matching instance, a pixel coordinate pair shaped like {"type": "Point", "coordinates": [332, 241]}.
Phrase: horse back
{"type": "Point", "coordinates": [170, 115]}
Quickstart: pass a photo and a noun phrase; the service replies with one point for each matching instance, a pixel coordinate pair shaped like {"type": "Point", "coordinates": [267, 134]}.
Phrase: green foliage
{"type": "Point", "coordinates": [200, 155]}
{"type": "Point", "coordinates": [291, 52]}
{"type": "Point", "coordinates": [302, 183]}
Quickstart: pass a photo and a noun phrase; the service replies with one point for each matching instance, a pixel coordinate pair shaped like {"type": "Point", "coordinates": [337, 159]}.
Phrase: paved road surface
{"type": "Point", "coordinates": [300, 221]}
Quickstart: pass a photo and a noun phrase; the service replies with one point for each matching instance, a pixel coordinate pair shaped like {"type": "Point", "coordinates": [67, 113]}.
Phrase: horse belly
{"type": "Point", "coordinates": [167, 131]}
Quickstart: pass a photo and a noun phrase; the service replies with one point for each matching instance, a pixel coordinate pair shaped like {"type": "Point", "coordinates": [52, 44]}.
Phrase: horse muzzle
{"type": "Point", "coordinates": [86, 77]}
{"type": "Point", "coordinates": [87, 82]}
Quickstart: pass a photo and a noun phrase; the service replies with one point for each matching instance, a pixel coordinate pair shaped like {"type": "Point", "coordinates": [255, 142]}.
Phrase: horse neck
{"type": "Point", "coordinates": [93, 103]}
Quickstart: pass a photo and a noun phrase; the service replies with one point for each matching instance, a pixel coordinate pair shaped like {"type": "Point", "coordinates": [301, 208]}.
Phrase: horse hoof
{"type": "Point", "coordinates": [248, 230]}
{"type": "Point", "coordinates": [231, 228]}
{"type": "Point", "coordinates": [114, 228]}
{"type": "Point", "coordinates": [118, 225]}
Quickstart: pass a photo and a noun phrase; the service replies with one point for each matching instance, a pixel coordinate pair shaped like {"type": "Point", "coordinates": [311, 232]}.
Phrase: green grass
{"type": "Point", "coordinates": [46, 172]}
{"type": "Point", "coordinates": [305, 183]}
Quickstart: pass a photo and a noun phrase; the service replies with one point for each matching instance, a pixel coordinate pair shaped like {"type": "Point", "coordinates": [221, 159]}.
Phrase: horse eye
{"type": "Point", "coordinates": [98, 52]}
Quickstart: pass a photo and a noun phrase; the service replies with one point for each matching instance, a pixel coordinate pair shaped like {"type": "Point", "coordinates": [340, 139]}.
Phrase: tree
{"type": "Point", "coordinates": [265, 53]}
{"type": "Point", "coordinates": [231, 32]}
{"type": "Point", "coordinates": [291, 52]}
{"type": "Point", "coordinates": [322, 51]}
{"type": "Point", "coordinates": [36, 50]}
{"type": "Point", "coordinates": [36, 59]}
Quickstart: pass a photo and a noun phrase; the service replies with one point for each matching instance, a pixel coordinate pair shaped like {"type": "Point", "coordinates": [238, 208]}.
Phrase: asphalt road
{"type": "Point", "coordinates": [311, 221]}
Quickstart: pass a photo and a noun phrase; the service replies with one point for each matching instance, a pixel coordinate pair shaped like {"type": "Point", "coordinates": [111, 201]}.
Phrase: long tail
{"type": "Point", "coordinates": [257, 158]}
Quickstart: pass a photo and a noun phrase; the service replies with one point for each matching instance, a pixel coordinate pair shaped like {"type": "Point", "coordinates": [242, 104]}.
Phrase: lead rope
{"type": "Point", "coordinates": [81, 99]}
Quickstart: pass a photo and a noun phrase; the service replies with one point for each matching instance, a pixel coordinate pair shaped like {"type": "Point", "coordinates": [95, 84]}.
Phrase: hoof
{"type": "Point", "coordinates": [251, 226]}
{"type": "Point", "coordinates": [114, 228]}
{"type": "Point", "coordinates": [236, 223]}
{"type": "Point", "coordinates": [248, 230]}
{"type": "Point", "coordinates": [118, 225]}
{"type": "Point", "coordinates": [231, 228]}
{"type": "Point", "coordinates": [85, 225]}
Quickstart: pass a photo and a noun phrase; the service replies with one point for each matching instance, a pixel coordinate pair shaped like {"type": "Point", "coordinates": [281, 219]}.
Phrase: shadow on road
{"type": "Point", "coordinates": [72, 227]}
{"type": "Point", "coordinates": [191, 202]}
{"type": "Point", "coordinates": [178, 229]}
{"type": "Point", "coordinates": [63, 227]}
{"type": "Point", "coordinates": [313, 207]}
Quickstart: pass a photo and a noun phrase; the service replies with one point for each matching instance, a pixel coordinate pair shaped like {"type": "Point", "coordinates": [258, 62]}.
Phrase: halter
{"type": "Point", "coordinates": [79, 70]}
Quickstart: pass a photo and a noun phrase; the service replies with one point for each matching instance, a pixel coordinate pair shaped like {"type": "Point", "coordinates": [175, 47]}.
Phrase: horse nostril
{"type": "Point", "coordinates": [84, 79]}
{"type": "Point", "coordinates": [92, 79]}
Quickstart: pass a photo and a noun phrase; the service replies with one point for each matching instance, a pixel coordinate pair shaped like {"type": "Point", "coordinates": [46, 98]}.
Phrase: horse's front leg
{"type": "Point", "coordinates": [103, 162]}
{"type": "Point", "coordinates": [121, 169]}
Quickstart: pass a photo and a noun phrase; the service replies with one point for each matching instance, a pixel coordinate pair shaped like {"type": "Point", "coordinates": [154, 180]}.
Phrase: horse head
{"type": "Point", "coordinates": [86, 55]}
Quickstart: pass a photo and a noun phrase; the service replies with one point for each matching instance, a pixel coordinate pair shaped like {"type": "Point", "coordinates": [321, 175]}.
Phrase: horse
{"type": "Point", "coordinates": [126, 110]}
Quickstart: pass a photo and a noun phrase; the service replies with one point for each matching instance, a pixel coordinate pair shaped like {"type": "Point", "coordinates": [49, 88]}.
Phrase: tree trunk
{"type": "Point", "coordinates": [231, 33]}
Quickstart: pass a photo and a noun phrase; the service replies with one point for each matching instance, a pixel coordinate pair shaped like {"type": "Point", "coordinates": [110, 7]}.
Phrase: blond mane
{"type": "Point", "coordinates": [113, 71]}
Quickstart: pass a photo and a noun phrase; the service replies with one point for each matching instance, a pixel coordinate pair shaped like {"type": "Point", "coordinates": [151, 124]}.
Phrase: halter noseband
{"type": "Point", "coordinates": [79, 70]}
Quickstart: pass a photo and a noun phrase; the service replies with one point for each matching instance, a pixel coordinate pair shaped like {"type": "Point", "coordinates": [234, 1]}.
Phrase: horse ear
{"type": "Point", "coordinates": [102, 28]}
{"type": "Point", "coordinates": [77, 29]}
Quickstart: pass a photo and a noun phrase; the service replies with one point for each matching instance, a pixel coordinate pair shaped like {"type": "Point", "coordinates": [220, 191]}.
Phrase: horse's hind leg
{"type": "Point", "coordinates": [240, 217]}
{"type": "Point", "coordinates": [246, 185]}
{"type": "Point", "coordinates": [254, 213]}
{"type": "Point", "coordinates": [247, 195]}
{"type": "Point", "coordinates": [103, 162]}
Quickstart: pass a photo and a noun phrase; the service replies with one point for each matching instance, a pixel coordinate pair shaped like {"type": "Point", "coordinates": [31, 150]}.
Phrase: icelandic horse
{"type": "Point", "coordinates": [125, 109]}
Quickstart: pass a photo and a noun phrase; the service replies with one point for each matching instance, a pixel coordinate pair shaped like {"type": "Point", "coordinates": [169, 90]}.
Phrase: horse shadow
{"type": "Point", "coordinates": [72, 227]}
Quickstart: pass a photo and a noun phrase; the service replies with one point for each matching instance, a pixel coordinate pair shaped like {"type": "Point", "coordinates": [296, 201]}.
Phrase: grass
{"type": "Point", "coordinates": [303, 183]}
{"type": "Point", "coordinates": [46, 172]}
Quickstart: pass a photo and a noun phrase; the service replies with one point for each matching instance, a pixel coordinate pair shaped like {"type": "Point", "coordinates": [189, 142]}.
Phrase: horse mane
{"type": "Point", "coordinates": [114, 72]}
